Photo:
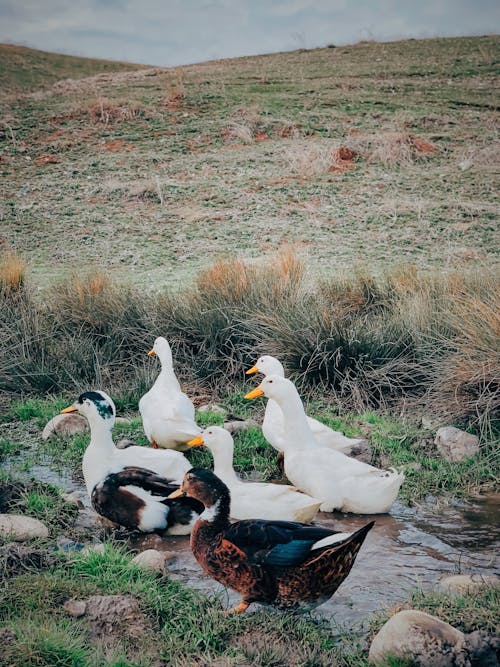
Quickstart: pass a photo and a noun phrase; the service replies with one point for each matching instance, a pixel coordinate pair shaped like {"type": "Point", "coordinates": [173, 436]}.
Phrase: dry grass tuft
{"type": "Point", "coordinates": [392, 148]}
{"type": "Point", "coordinates": [12, 271]}
{"type": "Point", "coordinates": [107, 111]}
{"type": "Point", "coordinates": [468, 379]}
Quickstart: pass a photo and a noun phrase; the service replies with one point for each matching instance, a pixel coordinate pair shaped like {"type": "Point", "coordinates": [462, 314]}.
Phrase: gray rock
{"type": "Point", "coordinates": [75, 498]}
{"type": "Point", "coordinates": [87, 518]}
{"type": "Point", "coordinates": [212, 407]}
{"type": "Point", "coordinates": [361, 452]}
{"type": "Point", "coordinates": [240, 425]}
{"type": "Point", "coordinates": [151, 559]}
{"type": "Point", "coordinates": [75, 608]}
{"type": "Point", "coordinates": [21, 527]}
{"type": "Point", "coordinates": [65, 425]}
{"type": "Point", "coordinates": [420, 637]}
{"type": "Point", "coordinates": [455, 445]}
{"type": "Point", "coordinates": [459, 584]}
{"type": "Point", "coordinates": [109, 617]}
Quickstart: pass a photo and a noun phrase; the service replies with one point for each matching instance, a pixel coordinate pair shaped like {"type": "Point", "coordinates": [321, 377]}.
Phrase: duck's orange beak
{"type": "Point", "coordinates": [252, 371]}
{"type": "Point", "coordinates": [255, 393]}
{"type": "Point", "coordinates": [196, 442]}
{"type": "Point", "coordinates": [151, 353]}
{"type": "Point", "coordinates": [70, 408]}
{"type": "Point", "coordinates": [178, 493]}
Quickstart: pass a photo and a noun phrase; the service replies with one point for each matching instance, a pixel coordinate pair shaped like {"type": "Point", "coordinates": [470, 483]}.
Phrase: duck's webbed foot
{"type": "Point", "coordinates": [239, 609]}
{"type": "Point", "coordinates": [154, 444]}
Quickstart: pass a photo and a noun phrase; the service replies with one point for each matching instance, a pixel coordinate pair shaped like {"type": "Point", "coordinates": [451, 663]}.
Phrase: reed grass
{"type": "Point", "coordinates": [401, 340]}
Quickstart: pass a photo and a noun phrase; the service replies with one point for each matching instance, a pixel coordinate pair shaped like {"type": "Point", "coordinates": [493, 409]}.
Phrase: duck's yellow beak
{"type": "Point", "coordinates": [70, 408]}
{"type": "Point", "coordinates": [252, 371]}
{"type": "Point", "coordinates": [178, 493]}
{"type": "Point", "coordinates": [255, 393]}
{"type": "Point", "coordinates": [151, 353]}
{"type": "Point", "coordinates": [196, 442]}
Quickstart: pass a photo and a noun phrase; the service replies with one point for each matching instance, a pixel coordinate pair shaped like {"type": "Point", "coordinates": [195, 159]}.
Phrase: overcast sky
{"type": "Point", "coordinates": [174, 32]}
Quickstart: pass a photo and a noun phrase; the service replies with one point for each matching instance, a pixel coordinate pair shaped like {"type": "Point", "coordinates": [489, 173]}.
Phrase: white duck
{"type": "Point", "coordinates": [273, 427]}
{"type": "Point", "coordinates": [340, 482]}
{"type": "Point", "coordinates": [167, 413]}
{"type": "Point", "coordinates": [130, 486]}
{"type": "Point", "coordinates": [254, 500]}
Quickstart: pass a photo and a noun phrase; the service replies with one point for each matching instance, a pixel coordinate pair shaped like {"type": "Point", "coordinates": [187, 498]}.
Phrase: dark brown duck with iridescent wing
{"type": "Point", "coordinates": [283, 563]}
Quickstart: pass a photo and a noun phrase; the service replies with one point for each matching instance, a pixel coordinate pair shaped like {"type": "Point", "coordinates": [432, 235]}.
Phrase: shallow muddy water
{"type": "Point", "coordinates": [407, 549]}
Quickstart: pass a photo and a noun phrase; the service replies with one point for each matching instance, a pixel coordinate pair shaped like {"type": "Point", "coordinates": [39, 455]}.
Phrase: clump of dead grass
{"type": "Point", "coordinates": [12, 271]}
{"type": "Point", "coordinates": [107, 111]}
{"type": "Point", "coordinates": [400, 338]}
{"type": "Point", "coordinates": [392, 148]}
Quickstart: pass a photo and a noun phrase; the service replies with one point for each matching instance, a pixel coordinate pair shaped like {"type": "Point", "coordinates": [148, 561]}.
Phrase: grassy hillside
{"type": "Point", "coordinates": [368, 154]}
{"type": "Point", "coordinates": [25, 70]}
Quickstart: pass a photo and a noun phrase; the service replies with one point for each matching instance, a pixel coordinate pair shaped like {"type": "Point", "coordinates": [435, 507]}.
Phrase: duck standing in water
{"type": "Point", "coordinates": [131, 486]}
{"type": "Point", "coordinates": [167, 412]}
{"type": "Point", "coordinates": [340, 482]}
{"type": "Point", "coordinates": [283, 563]}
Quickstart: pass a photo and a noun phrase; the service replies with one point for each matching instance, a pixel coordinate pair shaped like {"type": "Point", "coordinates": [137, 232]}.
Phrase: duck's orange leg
{"type": "Point", "coordinates": [239, 609]}
{"type": "Point", "coordinates": [154, 444]}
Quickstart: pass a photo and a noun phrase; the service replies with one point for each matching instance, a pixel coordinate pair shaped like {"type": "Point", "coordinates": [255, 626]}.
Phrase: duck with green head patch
{"type": "Point", "coordinates": [130, 486]}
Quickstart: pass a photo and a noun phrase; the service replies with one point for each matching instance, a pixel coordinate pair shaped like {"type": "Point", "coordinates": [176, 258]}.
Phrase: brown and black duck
{"type": "Point", "coordinates": [283, 563]}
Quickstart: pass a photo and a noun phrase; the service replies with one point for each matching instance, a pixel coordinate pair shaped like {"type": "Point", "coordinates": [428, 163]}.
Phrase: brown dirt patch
{"type": "Point", "coordinates": [117, 145]}
{"type": "Point", "coordinates": [46, 159]}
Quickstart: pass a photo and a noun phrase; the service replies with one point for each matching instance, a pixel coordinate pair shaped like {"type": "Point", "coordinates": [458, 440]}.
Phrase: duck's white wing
{"type": "Point", "coordinates": [327, 437]}
{"type": "Point", "coordinates": [275, 502]}
{"type": "Point", "coordinates": [167, 463]}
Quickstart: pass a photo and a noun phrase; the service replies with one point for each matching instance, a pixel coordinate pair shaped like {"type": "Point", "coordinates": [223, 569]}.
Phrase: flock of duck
{"type": "Point", "coordinates": [252, 537]}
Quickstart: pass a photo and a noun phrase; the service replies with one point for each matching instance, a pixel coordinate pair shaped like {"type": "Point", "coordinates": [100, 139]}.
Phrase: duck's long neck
{"type": "Point", "coordinates": [167, 377]}
{"type": "Point", "coordinates": [298, 435]}
{"type": "Point", "coordinates": [215, 518]}
{"type": "Point", "coordinates": [101, 436]}
{"type": "Point", "coordinates": [223, 465]}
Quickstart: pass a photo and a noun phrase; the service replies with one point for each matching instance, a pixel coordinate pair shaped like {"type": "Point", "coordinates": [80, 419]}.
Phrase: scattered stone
{"type": "Point", "coordinates": [124, 443]}
{"type": "Point", "coordinates": [99, 548]}
{"type": "Point", "coordinates": [240, 425]}
{"type": "Point", "coordinates": [87, 518]}
{"type": "Point", "coordinates": [22, 527]}
{"type": "Point", "coordinates": [212, 407]}
{"type": "Point", "coordinates": [428, 423]}
{"type": "Point", "coordinates": [74, 497]}
{"type": "Point", "coordinates": [122, 420]}
{"type": "Point", "coordinates": [65, 425]}
{"type": "Point", "coordinates": [67, 545]}
{"type": "Point", "coordinates": [424, 639]}
{"type": "Point", "coordinates": [458, 584]}
{"type": "Point", "coordinates": [361, 452]}
{"type": "Point", "coordinates": [75, 608]}
{"type": "Point", "coordinates": [109, 617]}
{"type": "Point", "coordinates": [152, 559]}
{"type": "Point", "coordinates": [455, 445]}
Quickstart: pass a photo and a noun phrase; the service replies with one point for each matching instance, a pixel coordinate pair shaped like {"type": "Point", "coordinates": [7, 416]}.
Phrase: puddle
{"type": "Point", "coordinates": [409, 548]}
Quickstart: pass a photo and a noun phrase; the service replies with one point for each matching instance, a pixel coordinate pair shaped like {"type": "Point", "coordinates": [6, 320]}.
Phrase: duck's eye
{"type": "Point", "coordinates": [270, 381]}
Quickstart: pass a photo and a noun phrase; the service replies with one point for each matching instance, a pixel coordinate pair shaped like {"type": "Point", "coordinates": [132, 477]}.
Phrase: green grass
{"type": "Point", "coordinates": [24, 70]}
{"type": "Point", "coordinates": [183, 625]}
